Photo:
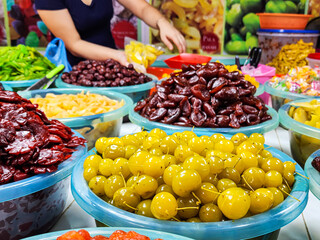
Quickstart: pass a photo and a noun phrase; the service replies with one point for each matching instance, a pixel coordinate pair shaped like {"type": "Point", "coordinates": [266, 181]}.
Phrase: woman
{"type": "Point", "coordinates": [84, 26]}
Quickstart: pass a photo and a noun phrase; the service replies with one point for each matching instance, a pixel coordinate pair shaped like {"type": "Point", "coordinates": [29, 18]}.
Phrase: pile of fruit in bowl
{"type": "Point", "coordinates": [37, 155]}
{"type": "Point", "coordinates": [302, 118]}
{"type": "Point", "coordinates": [299, 82]}
{"type": "Point", "coordinates": [206, 97]}
{"type": "Point", "coordinates": [93, 113]}
{"type": "Point", "coordinates": [161, 181]}
{"type": "Point", "coordinates": [109, 234]}
{"type": "Point", "coordinates": [107, 75]}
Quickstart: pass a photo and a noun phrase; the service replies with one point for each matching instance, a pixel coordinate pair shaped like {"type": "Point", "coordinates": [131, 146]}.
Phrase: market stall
{"type": "Point", "coordinates": [218, 142]}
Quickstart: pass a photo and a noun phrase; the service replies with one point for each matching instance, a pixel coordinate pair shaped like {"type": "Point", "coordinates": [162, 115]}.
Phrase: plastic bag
{"type": "Point", "coordinates": [141, 55]}
{"type": "Point", "coordinates": [57, 54]}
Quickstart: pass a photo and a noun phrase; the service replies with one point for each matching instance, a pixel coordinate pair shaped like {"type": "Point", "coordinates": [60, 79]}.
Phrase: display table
{"type": "Point", "coordinates": [304, 227]}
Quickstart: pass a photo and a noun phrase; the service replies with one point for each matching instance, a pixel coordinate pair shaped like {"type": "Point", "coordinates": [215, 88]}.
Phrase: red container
{"type": "Point", "coordinates": [283, 20]}
{"type": "Point", "coordinates": [187, 59]}
{"type": "Point", "coordinates": [158, 71]}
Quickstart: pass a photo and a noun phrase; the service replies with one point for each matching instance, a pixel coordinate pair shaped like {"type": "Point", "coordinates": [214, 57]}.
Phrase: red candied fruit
{"type": "Point", "coordinates": [30, 143]}
{"type": "Point", "coordinates": [116, 235]}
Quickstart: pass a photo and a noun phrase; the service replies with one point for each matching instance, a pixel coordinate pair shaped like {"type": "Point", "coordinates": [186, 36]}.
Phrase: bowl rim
{"type": "Point", "coordinates": [274, 218]}
{"type": "Point", "coordinates": [22, 83]}
{"type": "Point", "coordinates": [313, 174]}
{"type": "Point", "coordinates": [80, 122]}
{"type": "Point", "coordinates": [39, 182]}
{"type": "Point", "coordinates": [294, 125]}
{"type": "Point", "coordinates": [108, 231]}
{"type": "Point", "coordinates": [126, 89]}
{"type": "Point", "coordinates": [266, 126]}
{"type": "Point", "coordinates": [295, 15]}
{"type": "Point", "coordinates": [284, 94]}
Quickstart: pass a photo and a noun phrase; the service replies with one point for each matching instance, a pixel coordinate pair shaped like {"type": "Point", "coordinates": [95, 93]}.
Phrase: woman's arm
{"type": "Point", "coordinates": [61, 25]}
{"type": "Point", "coordinates": [155, 19]}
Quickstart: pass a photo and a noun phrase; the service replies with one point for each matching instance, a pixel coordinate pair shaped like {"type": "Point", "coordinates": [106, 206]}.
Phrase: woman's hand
{"type": "Point", "coordinates": [121, 57]}
{"type": "Point", "coordinates": [169, 34]}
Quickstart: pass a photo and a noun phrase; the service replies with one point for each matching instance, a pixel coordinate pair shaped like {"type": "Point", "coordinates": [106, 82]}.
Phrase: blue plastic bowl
{"type": "Point", "coordinates": [313, 174]}
{"type": "Point", "coordinates": [265, 225]}
{"type": "Point", "coordinates": [135, 92]}
{"type": "Point", "coordinates": [259, 128]}
{"type": "Point", "coordinates": [279, 97]}
{"type": "Point", "coordinates": [94, 126]}
{"type": "Point", "coordinates": [19, 85]}
{"type": "Point", "coordinates": [33, 205]}
{"type": "Point", "coordinates": [7, 88]}
{"type": "Point", "coordinates": [109, 230]}
{"type": "Point", "coordinates": [304, 139]}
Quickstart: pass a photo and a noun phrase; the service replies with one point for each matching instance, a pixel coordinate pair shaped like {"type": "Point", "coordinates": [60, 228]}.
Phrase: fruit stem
{"type": "Point", "coordinates": [247, 183]}
{"type": "Point", "coordinates": [176, 219]}
{"type": "Point", "coordinates": [301, 175]}
{"type": "Point", "coordinates": [198, 199]}
{"type": "Point", "coordinates": [124, 181]}
{"type": "Point", "coordinates": [286, 182]}
{"type": "Point", "coordinates": [130, 206]}
{"type": "Point", "coordinates": [209, 190]}
{"type": "Point", "coordinates": [186, 208]}
{"type": "Point", "coordinates": [289, 194]}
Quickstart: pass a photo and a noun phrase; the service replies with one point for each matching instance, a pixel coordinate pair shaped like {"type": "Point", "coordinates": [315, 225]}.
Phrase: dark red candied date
{"type": "Point", "coordinates": [208, 110]}
{"type": "Point", "coordinates": [158, 114]}
{"type": "Point", "coordinates": [207, 73]}
{"type": "Point", "coordinates": [223, 120]}
{"type": "Point", "coordinates": [253, 119]}
{"type": "Point", "coordinates": [250, 110]}
{"type": "Point", "coordinates": [227, 93]}
{"type": "Point", "coordinates": [198, 118]}
{"type": "Point", "coordinates": [173, 115]}
{"type": "Point", "coordinates": [185, 107]}
{"type": "Point", "coordinates": [234, 122]}
{"type": "Point", "coordinates": [167, 104]}
{"type": "Point", "coordinates": [218, 84]}
{"type": "Point", "coordinates": [200, 91]}
{"type": "Point", "coordinates": [176, 97]}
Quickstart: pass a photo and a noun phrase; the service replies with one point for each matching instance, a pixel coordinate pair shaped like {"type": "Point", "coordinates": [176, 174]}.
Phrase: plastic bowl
{"type": "Point", "coordinates": [265, 225]}
{"type": "Point", "coordinates": [94, 126]}
{"type": "Point", "coordinates": [314, 60]}
{"type": "Point", "coordinates": [259, 128]}
{"type": "Point", "coordinates": [109, 230]}
{"type": "Point", "coordinates": [263, 74]}
{"type": "Point", "coordinates": [33, 205]}
{"type": "Point", "coordinates": [187, 59]}
{"type": "Point", "coordinates": [19, 85]}
{"type": "Point", "coordinates": [158, 71]}
{"type": "Point", "coordinates": [304, 139]}
{"type": "Point", "coordinates": [283, 20]}
{"type": "Point", "coordinates": [7, 88]}
{"type": "Point", "coordinates": [272, 40]}
{"type": "Point", "coordinates": [313, 174]}
{"type": "Point", "coordinates": [279, 97]}
{"type": "Point", "coordinates": [135, 92]}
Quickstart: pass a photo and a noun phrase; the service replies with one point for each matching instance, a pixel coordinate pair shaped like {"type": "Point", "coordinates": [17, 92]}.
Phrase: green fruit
{"type": "Point", "coordinates": [276, 7]}
{"type": "Point", "coordinates": [234, 15]}
{"type": "Point", "coordinates": [251, 5]}
{"type": "Point", "coordinates": [252, 22]}
{"type": "Point", "coordinates": [291, 7]}
{"type": "Point", "coordinates": [236, 47]}
{"type": "Point", "coordinates": [252, 42]}
{"type": "Point", "coordinates": [236, 37]}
